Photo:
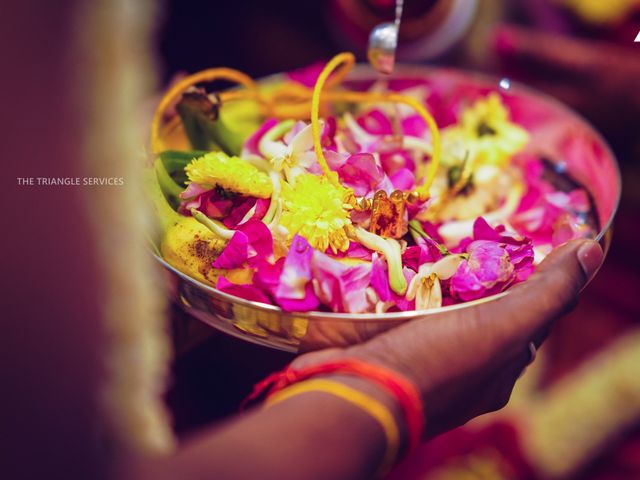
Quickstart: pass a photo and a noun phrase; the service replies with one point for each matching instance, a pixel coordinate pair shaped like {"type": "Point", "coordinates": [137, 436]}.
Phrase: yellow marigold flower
{"type": "Point", "coordinates": [317, 210]}
{"type": "Point", "coordinates": [230, 173]}
{"type": "Point", "coordinates": [486, 133]}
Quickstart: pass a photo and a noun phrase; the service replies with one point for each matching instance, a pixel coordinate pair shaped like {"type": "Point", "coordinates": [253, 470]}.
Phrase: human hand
{"type": "Point", "coordinates": [465, 362]}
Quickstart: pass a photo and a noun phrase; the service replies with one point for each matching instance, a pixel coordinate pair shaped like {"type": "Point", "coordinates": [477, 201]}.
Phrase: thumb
{"type": "Point", "coordinates": [553, 289]}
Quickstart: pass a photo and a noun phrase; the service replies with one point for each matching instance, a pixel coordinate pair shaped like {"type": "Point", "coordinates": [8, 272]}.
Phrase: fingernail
{"type": "Point", "coordinates": [590, 257]}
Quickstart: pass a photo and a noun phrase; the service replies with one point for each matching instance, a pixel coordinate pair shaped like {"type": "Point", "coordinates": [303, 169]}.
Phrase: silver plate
{"type": "Point", "coordinates": [268, 325]}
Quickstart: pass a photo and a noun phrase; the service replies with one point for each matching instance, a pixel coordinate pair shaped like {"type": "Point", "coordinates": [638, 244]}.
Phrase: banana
{"type": "Point", "coordinates": [185, 243]}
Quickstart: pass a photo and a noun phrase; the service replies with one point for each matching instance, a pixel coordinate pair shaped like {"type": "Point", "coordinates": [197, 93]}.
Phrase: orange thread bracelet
{"type": "Point", "coordinates": [403, 390]}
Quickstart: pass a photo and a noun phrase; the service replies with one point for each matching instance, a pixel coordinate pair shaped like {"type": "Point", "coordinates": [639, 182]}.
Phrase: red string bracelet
{"type": "Point", "coordinates": [397, 385]}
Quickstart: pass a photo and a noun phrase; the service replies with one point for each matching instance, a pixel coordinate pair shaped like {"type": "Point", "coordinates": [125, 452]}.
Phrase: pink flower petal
{"type": "Point", "coordinates": [579, 201]}
{"type": "Point", "coordinates": [237, 210]}
{"type": "Point", "coordinates": [341, 287]}
{"type": "Point", "coordinates": [246, 291]}
{"type": "Point", "coordinates": [328, 134]}
{"type": "Point", "coordinates": [426, 251]}
{"type": "Point", "coordinates": [192, 191]}
{"type": "Point", "coordinates": [411, 257]}
{"type": "Point", "coordinates": [251, 144]}
{"type": "Point", "coordinates": [395, 160]}
{"type": "Point", "coordinates": [380, 278]}
{"type": "Point", "coordinates": [414, 125]}
{"type": "Point", "coordinates": [483, 231]}
{"type": "Point", "coordinates": [262, 205]}
{"type": "Point", "coordinates": [193, 197]}
{"type": "Point", "coordinates": [217, 207]}
{"type": "Point", "coordinates": [307, 76]}
{"type": "Point", "coordinates": [355, 250]}
{"type": "Point", "coordinates": [260, 240]}
{"type": "Point", "coordinates": [214, 203]}
{"type": "Point", "coordinates": [235, 253]}
{"type": "Point", "coordinates": [376, 122]}
{"type": "Point", "coordinates": [296, 272]}
{"type": "Point", "coordinates": [267, 277]}
{"type": "Point", "coordinates": [546, 215]}
{"type": "Point", "coordinates": [380, 283]}
{"type": "Point", "coordinates": [487, 270]}
{"type": "Point", "coordinates": [361, 173]}
{"type": "Point", "coordinates": [403, 179]}
{"type": "Point", "coordinates": [400, 301]}
{"type": "Point", "coordinates": [309, 302]}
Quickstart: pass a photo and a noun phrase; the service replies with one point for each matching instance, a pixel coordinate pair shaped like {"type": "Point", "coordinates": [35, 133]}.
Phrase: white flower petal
{"type": "Point", "coordinates": [302, 142]}
{"type": "Point", "coordinates": [446, 267]}
{"type": "Point", "coordinates": [435, 299]}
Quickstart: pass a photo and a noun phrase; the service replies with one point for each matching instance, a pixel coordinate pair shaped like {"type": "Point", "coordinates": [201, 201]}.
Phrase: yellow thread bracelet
{"type": "Point", "coordinates": [361, 400]}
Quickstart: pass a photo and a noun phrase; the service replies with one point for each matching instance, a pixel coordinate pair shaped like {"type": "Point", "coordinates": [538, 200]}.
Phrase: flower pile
{"type": "Point", "coordinates": [306, 238]}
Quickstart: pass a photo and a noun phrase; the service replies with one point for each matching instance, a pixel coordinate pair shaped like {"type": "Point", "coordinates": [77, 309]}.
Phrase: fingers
{"type": "Point", "coordinates": [457, 343]}
{"type": "Point", "coordinates": [551, 291]}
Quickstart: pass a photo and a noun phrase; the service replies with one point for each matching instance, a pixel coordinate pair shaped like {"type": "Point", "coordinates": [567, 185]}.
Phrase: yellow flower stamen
{"type": "Point", "coordinates": [315, 209]}
{"type": "Point", "coordinates": [488, 133]}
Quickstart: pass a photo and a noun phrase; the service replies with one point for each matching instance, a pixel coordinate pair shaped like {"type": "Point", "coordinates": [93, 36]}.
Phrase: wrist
{"type": "Point", "coordinates": [375, 391]}
{"type": "Point", "coordinates": [345, 418]}
{"type": "Point", "coordinates": [378, 355]}
{"type": "Point", "coordinates": [353, 364]}
{"type": "Point", "coordinates": [372, 373]}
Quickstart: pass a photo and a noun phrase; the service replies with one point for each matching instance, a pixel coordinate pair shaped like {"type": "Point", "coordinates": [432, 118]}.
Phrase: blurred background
{"type": "Point", "coordinates": [580, 51]}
